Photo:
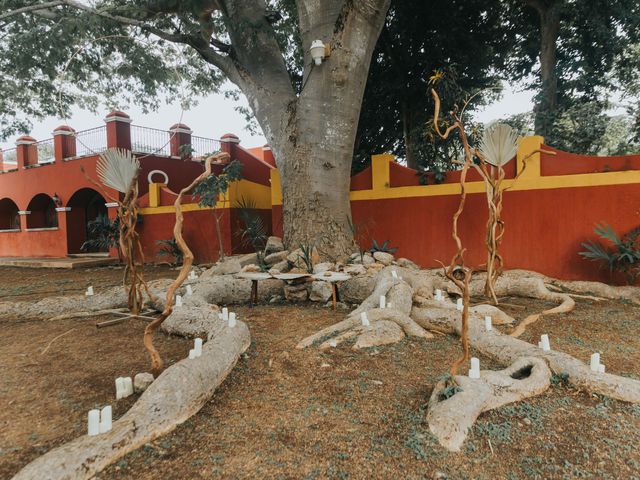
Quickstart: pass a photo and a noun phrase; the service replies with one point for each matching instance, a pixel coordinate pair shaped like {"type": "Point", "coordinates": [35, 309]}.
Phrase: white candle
{"type": "Point", "coordinates": [178, 300]}
{"type": "Point", "coordinates": [192, 275]}
{"type": "Point", "coordinates": [333, 343]}
{"type": "Point", "coordinates": [601, 368]}
{"type": "Point", "coordinates": [438, 294]}
{"type": "Point", "coordinates": [383, 301]}
{"type": "Point", "coordinates": [128, 386]}
{"type": "Point", "coordinates": [595, 362]}
{"type": "Point", "coordinates": [365, 319]}
{"type": "Point", "coordinates": [487, 323]}
{"type": "Point", "coordinates": [459, 304]}
{"type": "Point", "coordinates": [189, 290]}
{"type": "Point", "coordinates": [89, 291]}
{"type": "Point", "coordinates": [192, 354]}
{"type": "Point", "coordinates": [197, 346]}
{"type": "Point", "coordinates": [544, 340]}
{"type": "Point", "coordinates": [394, 274]}
{"type": "Point", "coordinates": [94, 422]}
{"type": "Point", "coordinates": [119, 388]}
{"type": "Point", "coordinates": [232, 319]}
{"type": "Point", "coordinates": [105, 419]}
{"type": "Point", "coordinates": [474, 371]}
{"type": "Point", "coordinates": [225, 314]}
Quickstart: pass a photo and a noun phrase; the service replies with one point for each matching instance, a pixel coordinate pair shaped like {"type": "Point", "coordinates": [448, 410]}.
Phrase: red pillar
{"type": "Point", "coordinates": [64, 143]}
{"type": "Point", "coordinates": [180, 135]}
{"type": "Point", "coordinates": [26, 151]}
{"type": "Point", "coordinates": [112, 212]}
{"type": "Point", "coordinates": [118, 130]}
{"type": "Point", "coordinates": [228, 143]}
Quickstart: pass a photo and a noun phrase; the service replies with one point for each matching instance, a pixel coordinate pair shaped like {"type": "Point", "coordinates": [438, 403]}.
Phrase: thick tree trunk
{"type": "Point", "coordinates": [547, 102]}
{"type": "Point", "coordinates": [315, 149]}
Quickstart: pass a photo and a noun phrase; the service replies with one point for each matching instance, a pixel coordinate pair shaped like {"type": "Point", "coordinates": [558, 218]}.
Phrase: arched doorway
{"type": "Point", "coordinates": [43, 212]}
{"type": "Point", "coordinates": [87, 209]}
{"type": "Point", "coordinates": [9, 218]}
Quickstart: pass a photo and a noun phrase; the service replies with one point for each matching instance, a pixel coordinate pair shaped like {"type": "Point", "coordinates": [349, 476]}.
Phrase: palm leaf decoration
{"type": "Point", "coordinates": [117, 168]}
{"type": "Point", "coordinates": [499, 144]}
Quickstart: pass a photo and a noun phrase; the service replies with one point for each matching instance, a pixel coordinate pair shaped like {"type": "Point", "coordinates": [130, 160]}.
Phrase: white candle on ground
{"type": "Point", "coordinates": [192, 354]}
{"type": "Point", "coordinates": [89, 291]}
{"type": "Point", "coordinates": [232, 319]}
{"type": "Point", "coordinates": [225, 314]}
{"type": "Point", "coordinates": [595, 362]}
{"type": "Point", "coordinates": [459, 304]}
{"type": "Point", "coordinates": [197, 346]}
{"type": "Point", "coordinates": [105, 419]}
{"type": "Point", "coordinates": [189, 290]}
{"type": "Point", "coordinates": [601, 368]}
{"type": "Point", "coordinates": [394, 274]}
{"type": "Point", "coordinates": [333, 343]}
{"type": "Point", "coordinates": [178, 300]}
{"type": "Point", "coordinates": [474, 371]}
{"type": "Point", "coordinates": [487, 323]}
{"type": "Point", "coordinates": [192, 275]}
{"type": "Point", "coordinates": [128, 386]}
{"type": "Point", "coordinates": [544, 340]}
{"type": "Point", "coordinates": [94, 422]}
{"type": "Point", "coordinates": [365, 319]}
{"type": "Point", "coordinates": [438, 294]}
{"type": "Point", "coordinates": [383, 301]}
{"type": "Point", "coordinates": [119, 388]}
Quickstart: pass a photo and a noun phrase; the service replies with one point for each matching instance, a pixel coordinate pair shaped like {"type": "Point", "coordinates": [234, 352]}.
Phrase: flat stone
{"type": "Point", "coordinates": [322, 267]}
{"type": "Point", "coordinates": [142, 381]}
{"type": "Point", "coordinates": [276, 257]}
{"type": "Point", "coordinates": [248, 259]}
{"type": "Point", "coordinates": [406, 263]}
{"type": "Point", "coordinates": [355, 269]}
{"type": "Point", "coordinates": [228, 266]}
{"type": "Point", "coordinates": [383, 257]}
{"type": "Point", "coordinates": [274, 244]}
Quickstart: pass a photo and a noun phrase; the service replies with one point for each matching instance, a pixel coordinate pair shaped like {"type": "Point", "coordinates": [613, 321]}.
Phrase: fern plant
{"type": "Point", "coordinates": [254, 232]}
{"type": "Point", "coordinates": [622, 256]}
{"type": "Point", "coordinates": [307, 256]}
{"type": "Point", "coordinates": [170, 248]}
{"type": "Point", "coordinates": [103, 234]}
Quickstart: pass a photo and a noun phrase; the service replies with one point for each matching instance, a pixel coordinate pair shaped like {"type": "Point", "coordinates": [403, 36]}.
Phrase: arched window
{"type": "Point", "coordinates": [9, 218]}
{"type": "Point", "coordinates": [43, 212]}
{"type": "Point", "coordinates": [87, 222]}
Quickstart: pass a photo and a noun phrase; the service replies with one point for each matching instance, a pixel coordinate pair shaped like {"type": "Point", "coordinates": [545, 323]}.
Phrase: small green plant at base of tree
{"type": "Point", "coordinates": [623, 256]}
{"type": "Point", "coordinates": [383, 247]}
{"type": "Point", "coordinates": [254, 232]}
{"type": "Point", "coordinates": [103, 234]}
{"type": "Point", "coordinates": [170, 248]}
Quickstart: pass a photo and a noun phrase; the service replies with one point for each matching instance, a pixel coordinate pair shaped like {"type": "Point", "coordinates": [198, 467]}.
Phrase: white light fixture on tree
{"type": "Point", "coordinates": [318, 51]}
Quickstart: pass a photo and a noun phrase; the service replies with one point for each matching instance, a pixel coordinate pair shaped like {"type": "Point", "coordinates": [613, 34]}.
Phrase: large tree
{"type": "Point", "coordinates": [571, 46]}
{"type": "Point", "coordinates": [309, 113]}
{"type": "Point", "coordinates": [468, 41]}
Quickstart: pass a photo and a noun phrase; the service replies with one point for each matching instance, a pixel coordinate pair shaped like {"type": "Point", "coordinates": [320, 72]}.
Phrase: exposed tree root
{"type": "Point", "coordinates": [177, 394]}
{"type": "Point", "coordinates": [452, 411]}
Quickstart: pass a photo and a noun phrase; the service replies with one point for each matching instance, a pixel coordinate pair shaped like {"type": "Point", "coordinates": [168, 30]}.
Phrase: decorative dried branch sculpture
{"type": "Point", "coordinates": [119, 169]}
{"type": "Point", "coordinates": [457, 271]}
{"type": "Point", "coordinates": [156, 360]}
{"type": "Point", "coordinates": [499, 144]}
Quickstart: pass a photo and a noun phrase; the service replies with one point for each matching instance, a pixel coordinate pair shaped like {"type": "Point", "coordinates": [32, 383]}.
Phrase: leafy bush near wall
{"type": "Point", "coordinates": [623, 254]}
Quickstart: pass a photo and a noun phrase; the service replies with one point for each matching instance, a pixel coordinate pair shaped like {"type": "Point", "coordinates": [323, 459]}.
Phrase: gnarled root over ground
{"type": "Point", "coordinates": [453, 410]}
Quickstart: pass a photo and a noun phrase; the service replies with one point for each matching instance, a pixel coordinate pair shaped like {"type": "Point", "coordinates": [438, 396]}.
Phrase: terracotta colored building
{"type": "Point", "coordinates": [46, 199]}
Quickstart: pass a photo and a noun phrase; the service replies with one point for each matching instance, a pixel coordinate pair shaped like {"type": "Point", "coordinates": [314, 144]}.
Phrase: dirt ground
{"type": "Point", "coordinates": [284, 413]}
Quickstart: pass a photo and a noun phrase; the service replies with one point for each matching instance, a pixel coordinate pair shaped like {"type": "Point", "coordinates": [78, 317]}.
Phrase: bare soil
{"type": "Point", "coordinates": [285, 413]}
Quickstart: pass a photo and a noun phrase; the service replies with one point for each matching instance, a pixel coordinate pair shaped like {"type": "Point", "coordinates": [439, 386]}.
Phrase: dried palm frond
{"type": "Point", "coordinates": [499, 144]}
{"type": "Point", "coordinates": [117, 168]}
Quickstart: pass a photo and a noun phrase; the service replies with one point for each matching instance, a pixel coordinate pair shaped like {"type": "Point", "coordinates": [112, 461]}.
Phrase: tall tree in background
{"type": "Point", "coordinates": [466, 40]}
{"type": "Point", "coordinates": [308, 112]}
{"type": "Point", "coordinates": [571, 46]}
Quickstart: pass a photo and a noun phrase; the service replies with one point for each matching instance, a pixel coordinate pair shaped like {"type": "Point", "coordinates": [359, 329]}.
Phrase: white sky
{"type": "Point", "coordinates": [215, 116]}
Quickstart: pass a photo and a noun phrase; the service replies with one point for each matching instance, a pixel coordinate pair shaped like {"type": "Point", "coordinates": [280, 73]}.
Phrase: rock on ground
{"type": "Point", "coordinates": [276, 257]}
{"type": "Point", "coordinates": [274, 244]}
{"type": "Point", "coordinates": [320, 291]}
{"type": "Point", "coordinates": [383, 257]}
{"type": "Point", "coordinates": [142, 381]}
